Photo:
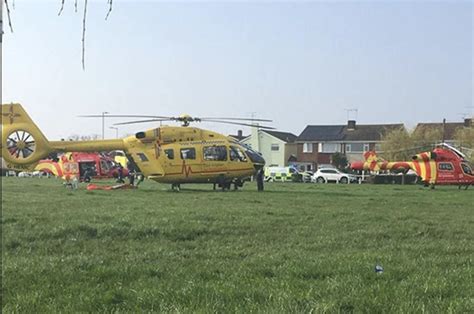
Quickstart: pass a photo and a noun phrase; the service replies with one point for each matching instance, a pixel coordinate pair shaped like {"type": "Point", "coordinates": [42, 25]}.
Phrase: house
{"type": "Point", "coordinates": [317, 143]}
{"type": "Point", "coordinates": [446, 130]}
{"type": "Point", "coordinates": [239, 137]}
{"type": "Point", "coordinates": [277, 148]}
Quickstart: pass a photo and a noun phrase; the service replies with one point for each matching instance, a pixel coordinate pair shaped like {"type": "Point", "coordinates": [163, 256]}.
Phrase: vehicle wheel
{"type": "Point", "coordinates": [320, 180]}
{"type": "Point", "coordinates": [343, 180]}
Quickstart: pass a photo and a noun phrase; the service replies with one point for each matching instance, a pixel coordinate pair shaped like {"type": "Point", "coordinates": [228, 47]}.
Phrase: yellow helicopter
{"type": "Point", "coordinates": [168, 154]}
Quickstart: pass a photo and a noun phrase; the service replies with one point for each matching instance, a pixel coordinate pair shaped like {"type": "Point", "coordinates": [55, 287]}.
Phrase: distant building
{"type": "Point", "coordinates": [447, 130]}
{"type": "Point", "coordinates": [317, 143]}
{"type": "Point", "coordinates": [277, 148]}
{"type": "Point", "coordinates": [239, 137]}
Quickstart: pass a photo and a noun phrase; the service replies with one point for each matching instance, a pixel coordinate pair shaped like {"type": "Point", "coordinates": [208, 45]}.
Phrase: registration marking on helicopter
{"type": "Point", "coordinates": [11, 114]}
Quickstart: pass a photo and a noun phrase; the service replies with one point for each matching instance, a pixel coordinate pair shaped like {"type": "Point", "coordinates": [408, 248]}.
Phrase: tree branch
{"type": "Point", "coordinates": [110, 8]}
{"type": "Point", "coordinates": [75, 6]}
{"type": "Point", "coordinates": [61, 9]}
{"type": "Point", "coordinates": [83, 34]}
{"type": "Point", "coordinates": [8, 16]}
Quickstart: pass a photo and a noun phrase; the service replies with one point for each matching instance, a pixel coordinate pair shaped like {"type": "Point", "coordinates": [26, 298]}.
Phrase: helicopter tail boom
{"type": "Point", "coordinates": [23, 144]}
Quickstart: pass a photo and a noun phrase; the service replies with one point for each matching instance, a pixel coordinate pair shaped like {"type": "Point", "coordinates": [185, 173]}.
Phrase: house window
{"type": "Point", "coordinates": [366, 147]}
{"type": "Point", "coordinates": [378, 147]}
{"type": "Point", "coordinates": [169, 153]}
{"type": "Point", "coordinates": [142, 156]}
{"type": "Point", "coordinates": [307, 147]}
{"type": "Point", "coordinates": [330, 147]}
{"type": "Point", "coordinates": [215, 153]}
{"type": "Point", "coordinates": [188, 153]}
{"type": "Point", "coordinates": [354, 147]}
{"type": "Point", "coordinates": [446, 166]}
{"type": "Point", "coordinates": [275, 147]}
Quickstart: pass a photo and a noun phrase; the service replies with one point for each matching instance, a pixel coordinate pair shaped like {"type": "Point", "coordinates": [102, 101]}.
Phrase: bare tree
{"type": "Point", "coordinates": [62, 3]}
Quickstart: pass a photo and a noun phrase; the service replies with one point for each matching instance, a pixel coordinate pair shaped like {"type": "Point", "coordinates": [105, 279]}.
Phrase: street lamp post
{"type": "Point", "coordinates": [103, 123]}
{"type": "Point", "coordinates": [116, 130]}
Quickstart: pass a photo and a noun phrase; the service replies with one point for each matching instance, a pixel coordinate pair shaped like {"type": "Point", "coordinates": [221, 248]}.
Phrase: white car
{"type": "Point", "coordinates": [326, 175]}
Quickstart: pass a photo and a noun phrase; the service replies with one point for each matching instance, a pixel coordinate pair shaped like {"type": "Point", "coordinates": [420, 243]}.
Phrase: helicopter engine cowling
{"type": "Point", "coordinates": [149, 135]}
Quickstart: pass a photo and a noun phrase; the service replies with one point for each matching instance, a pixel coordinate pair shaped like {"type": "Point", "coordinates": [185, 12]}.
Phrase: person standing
{"type": "Point", "coordinates": [260, 180]}
{"type": "Point", "coordinates": [120, 174]}
{"type": "Point", "coordinates": [131, 177]}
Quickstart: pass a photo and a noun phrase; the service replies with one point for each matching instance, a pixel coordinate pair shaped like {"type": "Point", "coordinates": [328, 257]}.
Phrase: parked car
{"type": "Point", "coordinates": [326, 166]}
{"type": "Point", "coordinates": [327, 175]}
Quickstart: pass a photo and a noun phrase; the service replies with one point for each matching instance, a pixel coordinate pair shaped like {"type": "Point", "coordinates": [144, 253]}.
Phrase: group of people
{"type": "Point", "coordinates": [134, 177]}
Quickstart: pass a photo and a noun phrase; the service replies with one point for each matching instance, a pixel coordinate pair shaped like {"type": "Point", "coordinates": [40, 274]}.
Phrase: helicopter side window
{"type": "Point", "coordinates": [188, 153]}
{"type": "Point", "coordinates": [169, 153]}
{"type": "Point", "coordinates": [215, 153]}
{"type": "Point", "coordinates": [446, 166]}
{"type": "Point", "coordinates": [466, 169]}
{"type": "Point", "coordinates": [236, 154]}
{"type": "Point", "coordinates": [142, 156]}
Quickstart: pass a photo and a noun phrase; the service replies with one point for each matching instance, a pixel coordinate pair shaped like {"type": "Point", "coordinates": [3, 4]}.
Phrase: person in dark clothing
{"type": "Point", "coordinates": [131, 177]}
{"type": "Point", "coordinates": [120, 174]}
{"type": "Point", "coordinates": [260, 180]}
{"type": "Point", "coordinates": [88, 175]}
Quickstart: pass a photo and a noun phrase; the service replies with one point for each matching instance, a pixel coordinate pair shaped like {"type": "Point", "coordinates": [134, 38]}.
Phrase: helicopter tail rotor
{"type": "Point", "coordinates": [23, 144]}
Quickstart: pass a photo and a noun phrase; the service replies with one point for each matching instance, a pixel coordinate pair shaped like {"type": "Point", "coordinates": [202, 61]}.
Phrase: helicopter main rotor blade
{"type": "Point", "coordinates": [243, 124]}
{"type": "Point", "coordinates": [236, 119]}
{"type": "Point", "coordinates": [122, 116]}
{"type": "Point", "coordinates": [144, 121]}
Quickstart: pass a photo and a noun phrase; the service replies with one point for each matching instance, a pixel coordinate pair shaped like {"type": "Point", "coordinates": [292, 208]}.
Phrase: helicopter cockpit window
{"type": "Point", "coordinates": [466, 168]}
{"type": "Point", "coordinates": [254, 156]}
{"type": "Point", "coordinates": [215, 153]}
{"type": "Point", "coordinates": [188, 153]}
{"type": "Point", "coordinates": [446, 166]}
{"type": "Point", "coordinates": [236, 154]}
{"type": "Point", "coordinates": [169, 153]}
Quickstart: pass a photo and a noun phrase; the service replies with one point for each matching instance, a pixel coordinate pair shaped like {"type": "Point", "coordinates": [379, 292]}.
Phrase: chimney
{"type": "Point", "coordinates": [468, 122]}
{"type": "Point", "coordinates": [239, 134]}
{"type": "Point", "coordinates": [351, 124]}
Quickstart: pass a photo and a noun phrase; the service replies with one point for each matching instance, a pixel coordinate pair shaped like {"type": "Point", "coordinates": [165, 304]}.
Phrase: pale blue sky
{"type": "Point", "coordinates": [297, 63]}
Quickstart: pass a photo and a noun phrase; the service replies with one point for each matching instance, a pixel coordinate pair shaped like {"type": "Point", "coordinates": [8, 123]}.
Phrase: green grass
{"type": "Point", "coordinates": [293, 248]}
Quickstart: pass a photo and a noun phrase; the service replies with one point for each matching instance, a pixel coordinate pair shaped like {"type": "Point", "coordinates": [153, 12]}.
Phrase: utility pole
{"type": "Point", "coordinates": [444, 130]}
{"type": "Point", "coordinates": [1, 52]}
{"type": "Point", "coordinates": [116, 130]}
{"type": "Point", "coordinates": [103, 123]}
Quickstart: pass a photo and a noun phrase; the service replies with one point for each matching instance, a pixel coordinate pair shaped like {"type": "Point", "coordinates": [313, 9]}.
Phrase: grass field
{"type": "Point", "coordinates": [293, 248]}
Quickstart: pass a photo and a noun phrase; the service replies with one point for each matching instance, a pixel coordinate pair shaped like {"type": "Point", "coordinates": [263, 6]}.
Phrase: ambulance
{"type": "Point", "coordinates": [279, 174]}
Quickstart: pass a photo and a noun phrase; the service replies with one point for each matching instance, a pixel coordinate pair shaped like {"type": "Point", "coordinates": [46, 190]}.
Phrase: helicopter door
{"type": "Point", "coordinates": [182, 162]}
{"type": "Point", "coordinates": [238, 160]}
{"type": "Point", "coordinates": [214, 161]}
